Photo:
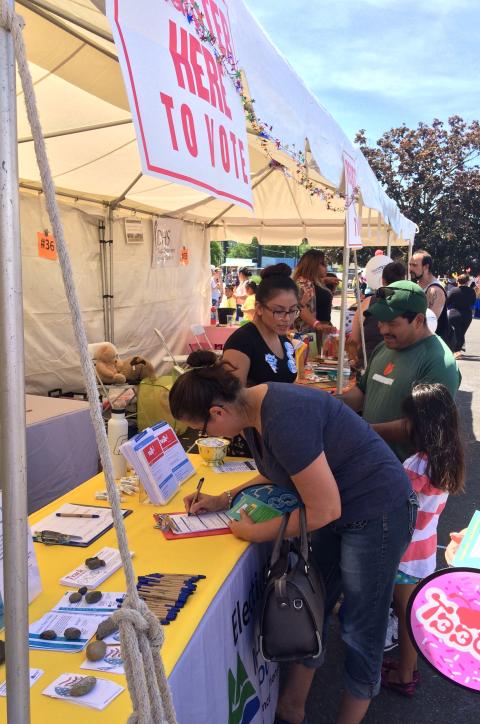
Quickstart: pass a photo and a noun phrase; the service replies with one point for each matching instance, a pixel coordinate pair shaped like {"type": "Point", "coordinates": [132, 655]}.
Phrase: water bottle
{"type": "Point", "coordinates": [117, 433]}
{"type": "Point", "coordinates": [213, 315]}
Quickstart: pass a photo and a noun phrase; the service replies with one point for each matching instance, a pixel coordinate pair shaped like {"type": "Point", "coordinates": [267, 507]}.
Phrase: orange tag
{"type": "Point", "coordinates": [46, 246]}
{"type": "Point", "coordinates": [184, 256]}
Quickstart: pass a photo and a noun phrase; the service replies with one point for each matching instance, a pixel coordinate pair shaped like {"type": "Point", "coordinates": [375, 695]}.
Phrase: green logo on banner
{"type": "Point", "coordinates": [243, 702]}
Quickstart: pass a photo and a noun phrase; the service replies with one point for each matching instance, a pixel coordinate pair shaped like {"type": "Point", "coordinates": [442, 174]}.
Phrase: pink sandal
{"type": "Point", "coordinates": [405, 689]}
{"type": "Point", "coordinates": [392, 665]}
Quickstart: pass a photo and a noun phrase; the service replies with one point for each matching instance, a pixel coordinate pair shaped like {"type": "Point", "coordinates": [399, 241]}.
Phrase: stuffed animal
{"type": "Point", "coordinates": [105, 363]}
{"type": "Point", "coordinates": [135, 369]}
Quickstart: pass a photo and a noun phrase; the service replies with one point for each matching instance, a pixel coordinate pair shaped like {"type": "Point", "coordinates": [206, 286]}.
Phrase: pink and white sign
{"type": "Point", "coordinates": [444, 622]}
{"type": "Point", "coordinates": [354, 239]}
{"type": "Point", "coordinates": [189, 119]}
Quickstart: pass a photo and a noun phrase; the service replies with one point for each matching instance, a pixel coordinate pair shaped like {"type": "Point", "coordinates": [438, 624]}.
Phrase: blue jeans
{"type": "Point", "coordinates": [361, 560]}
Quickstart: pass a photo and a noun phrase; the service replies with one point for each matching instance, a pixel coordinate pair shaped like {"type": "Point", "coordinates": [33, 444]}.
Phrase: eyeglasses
{"type": "Point", "coordinates": [387, 292]}
{"type": "Point", "coordinates": [283, 313]}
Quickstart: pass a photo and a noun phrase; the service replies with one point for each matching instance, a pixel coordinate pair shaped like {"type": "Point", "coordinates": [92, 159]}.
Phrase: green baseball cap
{"type": "Point", "coordinates": [397, 298]}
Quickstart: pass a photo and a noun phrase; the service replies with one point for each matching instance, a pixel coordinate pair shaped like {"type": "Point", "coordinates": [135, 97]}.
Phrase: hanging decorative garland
{"type": "Point", "coordinates": [195, 17]}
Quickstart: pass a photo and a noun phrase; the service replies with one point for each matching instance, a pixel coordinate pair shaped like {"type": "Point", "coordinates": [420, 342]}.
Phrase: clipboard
{"type": "Point", "coordinates": [41, 532]}
{"type": "Point", "coordinates": [169, 535]}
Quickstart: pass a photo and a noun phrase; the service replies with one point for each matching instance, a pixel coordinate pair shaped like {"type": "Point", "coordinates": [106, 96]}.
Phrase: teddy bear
{"type": "Point", "coordinates": [105, 364]}
{"type": "Point", "coordinates": [135, 369]}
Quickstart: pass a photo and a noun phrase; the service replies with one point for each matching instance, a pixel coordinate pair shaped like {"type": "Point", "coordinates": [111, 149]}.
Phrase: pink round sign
{"type": "Point", "coordinates": [444, 622]}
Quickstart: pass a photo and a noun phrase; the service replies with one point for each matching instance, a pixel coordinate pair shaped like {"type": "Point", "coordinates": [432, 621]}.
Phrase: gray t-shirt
{"type": "Point", "coordinates": [299, 423]}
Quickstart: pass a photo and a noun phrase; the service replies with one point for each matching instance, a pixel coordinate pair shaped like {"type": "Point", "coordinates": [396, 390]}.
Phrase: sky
{"type": "Point", "coordinates": [375, 64]}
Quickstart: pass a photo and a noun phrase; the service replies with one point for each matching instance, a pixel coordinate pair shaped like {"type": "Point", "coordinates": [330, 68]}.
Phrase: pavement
{"type": "Point", "coordinates": [436, 701]}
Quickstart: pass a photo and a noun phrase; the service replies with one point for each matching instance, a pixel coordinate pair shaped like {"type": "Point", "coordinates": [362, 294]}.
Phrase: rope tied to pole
{"type": "Point", "coordinates": [141, 634]}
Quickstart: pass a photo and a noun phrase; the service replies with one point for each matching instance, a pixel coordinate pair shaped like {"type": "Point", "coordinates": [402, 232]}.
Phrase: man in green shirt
{"type": "Point", "coordinates": [409, 354]}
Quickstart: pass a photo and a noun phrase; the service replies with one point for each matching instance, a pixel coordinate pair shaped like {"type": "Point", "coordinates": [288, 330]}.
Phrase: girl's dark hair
{"type": "Point", "coordinates": [434, 430]}
{"type": "Point", "coordinates": [208, 380]}
{"type": "Point", "coordinates": [245, 271]}
{"type": "Point", "coordinates": [393, 272]}
{"type": "Point", "coordinates": [275, 278]}
{"type": "Point", "coordinates": [252, 286]}
{"type": "Point", "coordinates": [308, 264]}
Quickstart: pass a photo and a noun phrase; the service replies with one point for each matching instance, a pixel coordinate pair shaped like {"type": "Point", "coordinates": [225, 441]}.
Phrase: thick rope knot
{"type": "Point", "coordinates": [143, 620]}
{"type": "Point", "coordinates": [9, 18]}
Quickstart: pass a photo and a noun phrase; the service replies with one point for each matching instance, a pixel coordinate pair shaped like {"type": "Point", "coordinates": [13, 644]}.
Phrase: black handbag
{"type": "Point", "coordinates": [292, 612]}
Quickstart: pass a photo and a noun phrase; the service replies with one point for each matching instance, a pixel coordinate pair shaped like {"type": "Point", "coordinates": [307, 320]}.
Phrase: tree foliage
{"type": "Point", "coordinates": [433, 173]}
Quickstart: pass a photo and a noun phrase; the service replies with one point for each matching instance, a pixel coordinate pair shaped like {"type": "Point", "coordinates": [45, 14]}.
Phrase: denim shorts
{"type": "Point", "coordinates": [361, 561]}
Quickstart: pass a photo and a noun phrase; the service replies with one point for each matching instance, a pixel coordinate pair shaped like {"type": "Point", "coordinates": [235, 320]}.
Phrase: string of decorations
{"type": "Point", "coordinates": [195, 17]}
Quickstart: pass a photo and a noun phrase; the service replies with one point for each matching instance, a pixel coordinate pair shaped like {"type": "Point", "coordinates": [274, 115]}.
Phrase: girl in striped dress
{"type": "Point", "coordinates": [435, 471]}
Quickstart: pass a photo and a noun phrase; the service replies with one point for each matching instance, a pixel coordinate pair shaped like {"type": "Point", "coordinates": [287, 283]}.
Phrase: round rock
{"type": "Point", "coordinates": [84, 686]}
{"type": "Point", "coordinates": [83, 590]}
{"type": "Point", "coordinates": [106, 628]}
{"type": "Point", "coordinates": [93, 597]}
{"type": "Point", "coordinates": [94, 563]}
{"type": "Point", "coordinates": [96, 650]}
{"type": "Point", "coordinates": [75, 597]}
{"type": "Point", "coordinates": [48, 635]}
{"type": "Point", "coordinates": [72, 633]}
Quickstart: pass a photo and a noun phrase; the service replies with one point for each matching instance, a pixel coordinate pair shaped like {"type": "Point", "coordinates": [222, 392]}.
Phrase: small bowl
{"type": "Point", "coordinates": [212, 449]}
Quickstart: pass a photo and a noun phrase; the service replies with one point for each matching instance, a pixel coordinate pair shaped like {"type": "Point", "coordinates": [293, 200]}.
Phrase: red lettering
{"type": "Point", "coordinates": [242, 161]}
{"type": "Point", "coordinates": [442, 624]}
{"type": "Point", "coordinates": [195, 49]}
{"type": "Point", "coordinates": [224, 148]}
{"type": "Point", "coordinates": [213, 79]}
{"type": "Point", "coordinates": [233, 139]}
{"type": "Point", "coordinates": [168, 103]}
{"type": "Point", "coordinates": [180, 59]}
{"type": "Point", "coordinates": [189, 129]}
{"type": "Point", "coordinates": [209, 122]}
{"type": "Point", "coordinates": [464, 638]}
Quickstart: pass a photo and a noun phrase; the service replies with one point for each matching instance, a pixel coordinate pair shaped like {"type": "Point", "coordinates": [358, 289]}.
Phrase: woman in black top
{"type": "Point", "coordinates": [311, 271]}
{"type": "Point", "coordinates": [260, 350]}
{"type": "Point", "coordinates": [460, 301]}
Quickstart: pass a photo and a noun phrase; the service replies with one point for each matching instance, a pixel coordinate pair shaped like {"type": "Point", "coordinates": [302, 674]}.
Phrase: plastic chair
{"type": "Point", "coordinates": [201, 337]}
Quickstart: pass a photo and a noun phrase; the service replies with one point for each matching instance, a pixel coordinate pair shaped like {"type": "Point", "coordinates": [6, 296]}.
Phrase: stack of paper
{"type": "Point", "coordinates": [59, 622]}
{"type": "Point", "coordinates": [83, 576]}
{"type": "Point", "coordinates": [159, 460]}
{"type": "Point", "coordinates": [99, 697]}
{"type": "Point", "coordinates": [78, 525]}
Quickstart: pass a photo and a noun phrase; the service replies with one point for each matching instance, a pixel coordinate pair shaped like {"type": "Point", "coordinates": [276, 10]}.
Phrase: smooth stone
{"type": "Point", "coordinates": [94, 563]}
{"type": "Point", "coordinates": [2, 651]}
{"type": "Point", "coordinates": [106, 628]}
{"type": "Point", "coordinates": [84, 686]}
{"type": "Point", "coordinates": [75, 597]}
{"type": "Point", "coordinates": [48, 635]}
{"type": "Point", "coordinates": [72, 633]}
{"type": "Point", "coordinates": [83, 590]}
{"type": "Point", "coordinates": [96, 650]}
{"type": "Point", "coordinates": [93, 597]}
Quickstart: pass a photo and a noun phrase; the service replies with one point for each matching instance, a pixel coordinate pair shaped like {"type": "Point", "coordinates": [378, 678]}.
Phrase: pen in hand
{"type": "Point", "coordinates": [77, 515]}
{"type": "Point", "coordinates": [197, 493]}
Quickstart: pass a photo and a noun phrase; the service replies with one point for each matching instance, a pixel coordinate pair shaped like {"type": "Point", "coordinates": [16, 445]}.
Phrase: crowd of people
{"type": "Point", "coordinates": [372, 467]}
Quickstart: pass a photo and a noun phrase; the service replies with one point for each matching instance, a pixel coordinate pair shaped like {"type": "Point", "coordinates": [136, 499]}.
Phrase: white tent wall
{"type": "Point", "coordinates": [170, 298]}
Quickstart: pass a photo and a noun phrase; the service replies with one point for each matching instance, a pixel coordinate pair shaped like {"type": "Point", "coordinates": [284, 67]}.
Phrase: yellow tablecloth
{"type": "Point", "coordinates": [214, 556]}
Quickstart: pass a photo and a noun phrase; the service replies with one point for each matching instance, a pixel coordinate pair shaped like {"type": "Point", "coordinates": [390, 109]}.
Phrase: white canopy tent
{"type": "Point", "coordinates": [96, 167]}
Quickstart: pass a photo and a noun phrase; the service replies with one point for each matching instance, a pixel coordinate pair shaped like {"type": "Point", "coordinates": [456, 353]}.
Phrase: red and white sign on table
{"type": "Point", "coordinates": [189, 118]}
{"type": "Point", "coordinates": [354, 239]}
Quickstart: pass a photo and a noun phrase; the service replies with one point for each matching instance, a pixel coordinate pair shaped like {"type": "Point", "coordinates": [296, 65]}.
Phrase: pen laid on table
{"type": "Point", "coordinates": [77, 515]}
{"type": "Point", "coordinates": [197, 493]}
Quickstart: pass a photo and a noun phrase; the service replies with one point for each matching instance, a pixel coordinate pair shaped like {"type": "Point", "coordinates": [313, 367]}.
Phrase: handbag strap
{"type": "Point", "coordinates": [279, 540]}
{"type": "Point", "coordinates": [303, 534]}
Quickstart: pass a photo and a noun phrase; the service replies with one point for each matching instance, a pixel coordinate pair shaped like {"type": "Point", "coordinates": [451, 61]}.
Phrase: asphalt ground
{"type": "Point", "coordinates": [436, 700]}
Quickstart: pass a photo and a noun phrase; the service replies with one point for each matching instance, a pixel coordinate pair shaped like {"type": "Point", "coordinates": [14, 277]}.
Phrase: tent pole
{"type": "Point", "coordinates": [13, 469]}
{"type": "Point", "coordinates": [389, 244]}
{"type": "Point", "coordinates": [341, 342]}
{"type": "Point", "coordinates": [80, 129]}
{"type": "Point", "coordinates": [110, 276]}
{"type": "Point", "coordinates": [359, 307]}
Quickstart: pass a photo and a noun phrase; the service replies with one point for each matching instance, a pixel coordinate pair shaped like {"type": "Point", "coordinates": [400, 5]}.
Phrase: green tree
{"type": "Point", "coordinates": [216, 253]}
{"type": "Point", "coordinates": [433, 173]}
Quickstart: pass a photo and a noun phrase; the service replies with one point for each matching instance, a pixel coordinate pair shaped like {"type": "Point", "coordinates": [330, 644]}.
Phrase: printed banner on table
{"type": "Point", "coordinates": [189, 118]}
{"type": "Point", "coordinates": [354, 239]}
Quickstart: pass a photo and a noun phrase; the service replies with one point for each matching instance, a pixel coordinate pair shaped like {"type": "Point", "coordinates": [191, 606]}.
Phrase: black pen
{"type": "Point", "coordinates": [197, 493]}
{"type": "Point", "coordinates": [77, 515]}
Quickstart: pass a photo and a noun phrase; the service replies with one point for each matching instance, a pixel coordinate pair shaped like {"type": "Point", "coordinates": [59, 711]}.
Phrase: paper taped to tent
{"type": "Point", "coordinates": [140, 243]}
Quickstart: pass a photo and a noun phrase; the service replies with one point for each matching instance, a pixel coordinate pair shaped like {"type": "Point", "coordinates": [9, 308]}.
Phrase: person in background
{"type": "Point", "coordinates": [435, 470]}
{"type": "Point", "coordinates": [216, 286]}
{"type": "Point", "coordinates": [260, 350]}
{"type": "Point", "coordinates": [244, 275]}
{"type": "Point", "coordinates": [420, 268]}
{"type": "Point", "coordinates": [357, 498]}
{"type": "Point", "coordinates": [315, 300]}
{"type": "Point", "coordinates": [248, 307]}
{"type": "Point", "coordinates": [409, 354]}
{"type": "Point", "coordinates": [228, 300]}
{"type": "Point", "coordinates": [393, 272]}
{"type": "Point", "coordinates": [460, 302]}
